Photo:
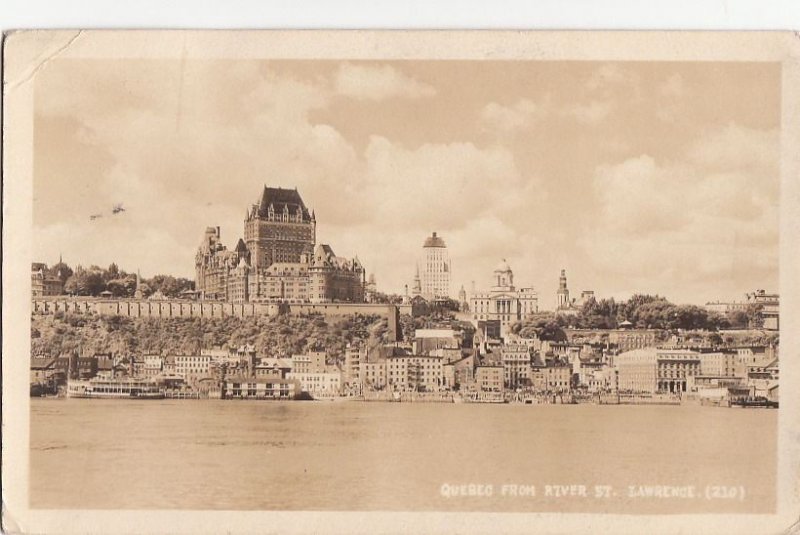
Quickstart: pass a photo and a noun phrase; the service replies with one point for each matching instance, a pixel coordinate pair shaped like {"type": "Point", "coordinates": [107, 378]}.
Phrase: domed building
{"type": "Point", "coordinates": [503, 301]}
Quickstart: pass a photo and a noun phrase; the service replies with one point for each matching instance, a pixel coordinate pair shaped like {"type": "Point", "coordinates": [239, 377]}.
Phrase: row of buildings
{"type": "Point", "coordinates": [452, 360]}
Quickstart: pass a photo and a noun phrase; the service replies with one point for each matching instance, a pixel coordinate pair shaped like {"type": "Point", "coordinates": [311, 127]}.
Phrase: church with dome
{"type": "Point", "coordinates": [278, 261]}
{"type": "Point", "coordinates": [503, 301]}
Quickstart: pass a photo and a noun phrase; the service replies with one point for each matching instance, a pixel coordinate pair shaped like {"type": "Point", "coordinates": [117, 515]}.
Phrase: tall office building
{"type": "Point", "coordinates": [435, 276]}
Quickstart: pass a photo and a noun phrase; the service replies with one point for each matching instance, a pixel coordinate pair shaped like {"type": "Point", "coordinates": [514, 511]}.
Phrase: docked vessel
{"type": "Point", "coordinates": [115, 388]}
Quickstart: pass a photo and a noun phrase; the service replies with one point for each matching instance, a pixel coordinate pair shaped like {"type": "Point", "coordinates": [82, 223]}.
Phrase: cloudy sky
{"type": "Point", "coordinates": [634, 177]}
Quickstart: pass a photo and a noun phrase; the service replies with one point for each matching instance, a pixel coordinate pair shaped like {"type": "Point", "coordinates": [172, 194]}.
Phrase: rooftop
{"type": "Point", "coordinates": [281, 198]}
{"type": "Point", "coordinates": [434, 241]}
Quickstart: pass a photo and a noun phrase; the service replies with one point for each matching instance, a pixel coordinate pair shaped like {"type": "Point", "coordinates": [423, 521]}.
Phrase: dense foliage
{"type": "Point", "coordinates": [272, 336]}
{"type": "Point", "coordinates": [93, 280]}
{"type": "Point", "coordinates": [642, 311]}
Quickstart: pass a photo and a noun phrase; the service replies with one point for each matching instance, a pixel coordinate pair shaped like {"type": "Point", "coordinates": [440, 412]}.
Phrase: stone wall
{"type": "Point", "coordinates": [142, 308]}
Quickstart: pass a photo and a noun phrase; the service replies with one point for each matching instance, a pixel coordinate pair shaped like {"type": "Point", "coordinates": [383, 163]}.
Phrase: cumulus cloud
{"type": "Point", "coordinates": [667, 224]}
{"type": "Point", "coordinates": [525, 114]}
{"type": "Point", "coordinates": [368, 82]}
{"type": "Point", "coordinates": [188, 147]}
{"type": "Point", "coordinates": [590, 113]}
{"type": "Point", "coordinates": [182, 164]}
{"type": "Point", "coordinates": [517, 116]}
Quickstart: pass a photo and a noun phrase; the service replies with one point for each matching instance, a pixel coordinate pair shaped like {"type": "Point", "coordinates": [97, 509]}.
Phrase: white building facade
{"type": "Point", "coordinates": [504, 301]}
{"type": "Point", "coordinates": [435, 273]}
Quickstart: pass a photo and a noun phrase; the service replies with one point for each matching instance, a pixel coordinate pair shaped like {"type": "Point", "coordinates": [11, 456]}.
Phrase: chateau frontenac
{"type": "Point", "coordinates": [278, 260]}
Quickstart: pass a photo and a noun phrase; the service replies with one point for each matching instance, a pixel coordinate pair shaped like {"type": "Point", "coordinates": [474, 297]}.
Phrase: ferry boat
{"type": "Point", "coordinates": [116, 388]}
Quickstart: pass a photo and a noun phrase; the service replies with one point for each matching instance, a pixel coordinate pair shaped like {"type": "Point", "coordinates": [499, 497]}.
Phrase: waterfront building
{"type": "Point", "coordinates": [352, 365]}
{"type": "Point", "coordinates": [278, 259]}
{"type": "Point", "coordinates": [435, 279]}
{"type": "Point", "coordinates": [762, 378]}
{"type": "Point", "coordinates": [149, 366]}
{"type": "Point", "coordinates": [503, 302]}
{"type": "Point", "coordinates": [319, 383]}
{"type": "Point", "coordinates": [259, 388]}
{"type": "Point", "coordinates": [722, 363]}
{"type": "Point", "coordinates": [459, 374]}
{"type": "Point", "coordinates": [374, 374]}
{"type": "Point", "coordinates": [653, 370]}
{"type": "Point", "coordinates": [553, 378]}
{"type": "Point", "coordinates": [516, 366]}
{"type": "Point", "coordinates": [274, 366]}
{"type": "Point", "coordinates": [43, 370]}
{"type": "Point", "coordinates": [489, 377]}
{"type": "Point", "coordinates": [193, 367]}
{"type": "Point", "coordinates": [312, 362]}
{"type": "Point", "coordinates": [675, 366]}
{"type": "Point", "coordinates": [754, 355]}
{"type": "Point", "coordinates": [421, 373]}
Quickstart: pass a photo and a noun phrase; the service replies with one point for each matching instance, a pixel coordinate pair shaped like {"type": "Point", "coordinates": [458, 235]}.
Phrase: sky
{"type": "Point", "coordinates": [635, 177]}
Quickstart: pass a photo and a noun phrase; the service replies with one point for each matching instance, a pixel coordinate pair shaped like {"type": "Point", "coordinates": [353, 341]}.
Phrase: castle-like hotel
{"type": "Point", "coordinates": [278, 260]}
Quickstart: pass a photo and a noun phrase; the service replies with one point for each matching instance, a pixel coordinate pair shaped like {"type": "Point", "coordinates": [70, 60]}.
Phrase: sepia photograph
{"type": "Point", "coordinates": [399, 272]}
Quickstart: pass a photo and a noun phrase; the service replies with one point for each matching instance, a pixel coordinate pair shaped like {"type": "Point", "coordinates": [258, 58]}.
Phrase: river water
{"type": "Point", "coordinates": [251, 455]}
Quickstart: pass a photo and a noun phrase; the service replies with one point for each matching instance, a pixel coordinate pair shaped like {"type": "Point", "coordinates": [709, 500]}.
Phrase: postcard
{"type": "Point", "coordinates": [400, 281]}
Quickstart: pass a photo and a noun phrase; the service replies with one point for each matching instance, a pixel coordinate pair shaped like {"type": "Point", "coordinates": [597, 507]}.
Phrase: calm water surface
{"type": "Point", "coordinates": [214, 454]}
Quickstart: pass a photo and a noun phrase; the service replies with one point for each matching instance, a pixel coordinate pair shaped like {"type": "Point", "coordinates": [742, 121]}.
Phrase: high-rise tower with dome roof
{"type": "Point", "coordinates": [435, 276]}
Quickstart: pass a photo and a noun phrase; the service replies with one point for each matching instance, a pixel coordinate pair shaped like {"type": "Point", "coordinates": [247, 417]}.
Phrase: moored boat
{"type": "Point", "coordinates": [114, 388]}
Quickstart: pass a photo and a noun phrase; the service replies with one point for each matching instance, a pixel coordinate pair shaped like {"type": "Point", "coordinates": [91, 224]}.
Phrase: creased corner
{"type": "Point", "coordinates": [44, 59]}
{"type": "Point", "coordinates": [9, 524]}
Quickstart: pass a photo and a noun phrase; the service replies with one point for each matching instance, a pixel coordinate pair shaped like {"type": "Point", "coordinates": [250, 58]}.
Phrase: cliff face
{"type": "Point", "coordinates": [55, 334]}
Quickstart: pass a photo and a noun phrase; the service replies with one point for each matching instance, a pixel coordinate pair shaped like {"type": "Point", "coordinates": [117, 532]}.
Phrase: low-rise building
{"type": "Point", "coordinates": [43, 370]}
{"type": "Point", "coordinates": [653, 370]}
{"type": "Point", "coordinates": [556, 378]}
{"type": "Point", "coordinates": [516, 366]}
{"type": "Point", "coordinates": [489, 377]}
{"type": "Point", "coordinates": [325, 383]}
{"type": "Point", "coordinates": [193, 367]}
{"type": "Point", "coordinates": [374, 374]}
{"type": "Point", "coordinates": [421, 373]}
{"type": "Point", "coordinates": [427, 340]}
{"type": "Point", "coordinates": [259, 388]}
{"type": "Point", "coordinates": [722, 363]}
{"type": "Point", "coordinates": [459, 374]}
{"type": "Point", "coordinates": [43, 284]}
{"type": "Point", "coordinates": [311, 362]}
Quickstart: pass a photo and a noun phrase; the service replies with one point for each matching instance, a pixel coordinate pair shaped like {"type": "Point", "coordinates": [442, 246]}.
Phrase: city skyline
{"type": "Point", "coordinates": [578, 166]}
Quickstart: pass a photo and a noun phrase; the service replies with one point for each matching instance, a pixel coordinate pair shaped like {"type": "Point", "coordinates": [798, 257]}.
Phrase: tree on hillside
{"type": "Point", "coordinates": [89, 283]}
{"type": "Point", "coordinates": [541, 325]}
